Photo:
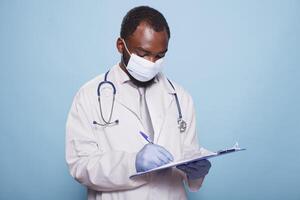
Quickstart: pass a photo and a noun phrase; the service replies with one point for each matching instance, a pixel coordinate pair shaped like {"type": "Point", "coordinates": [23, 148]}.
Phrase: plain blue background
{"type": "Point", "coordinates": [239, 60]}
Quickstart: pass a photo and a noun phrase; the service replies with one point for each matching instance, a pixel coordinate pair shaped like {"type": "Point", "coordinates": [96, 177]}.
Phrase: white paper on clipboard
{"type": "Point", "coordinates": [200, 155]}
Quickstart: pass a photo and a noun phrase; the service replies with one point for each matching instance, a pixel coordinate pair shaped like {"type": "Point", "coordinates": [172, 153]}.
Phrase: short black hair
{"type": "Point", "coordinates": [139, 14]}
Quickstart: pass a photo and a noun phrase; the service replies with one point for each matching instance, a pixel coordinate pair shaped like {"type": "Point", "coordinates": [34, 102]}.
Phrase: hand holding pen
{"type": "Point", "coordinates": [151, 156]}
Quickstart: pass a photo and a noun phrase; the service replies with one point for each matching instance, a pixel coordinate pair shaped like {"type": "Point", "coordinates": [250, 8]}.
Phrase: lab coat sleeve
{"type": "Point", "coordinates": [88, 164]}
{"type": "Point", "coordinates": [191, 141]}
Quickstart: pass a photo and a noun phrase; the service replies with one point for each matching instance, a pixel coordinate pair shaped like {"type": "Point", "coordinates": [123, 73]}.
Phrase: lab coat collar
{"type": "Point", "coordinates": [166, 84]}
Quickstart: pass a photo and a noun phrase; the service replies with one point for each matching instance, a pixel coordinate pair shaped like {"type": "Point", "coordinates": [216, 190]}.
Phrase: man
{"type": "Point", "coordinates": [128, 120]}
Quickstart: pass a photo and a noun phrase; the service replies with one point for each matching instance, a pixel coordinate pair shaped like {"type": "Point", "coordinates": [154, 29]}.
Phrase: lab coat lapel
{"type": "Point", "coordinates": [128, 97]}
{"type": "Point", "coordinates": [159, 99]}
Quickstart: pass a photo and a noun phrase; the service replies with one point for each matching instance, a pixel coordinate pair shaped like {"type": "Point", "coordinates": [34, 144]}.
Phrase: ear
{"type": "Point", "coordinates": [120, 45]}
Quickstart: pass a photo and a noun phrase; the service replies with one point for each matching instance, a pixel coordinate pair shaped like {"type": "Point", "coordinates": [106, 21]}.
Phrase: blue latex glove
{"type": "Point", "coordinates": [151, 156]}
{"type": "Point", "coordinates": [195, 170]}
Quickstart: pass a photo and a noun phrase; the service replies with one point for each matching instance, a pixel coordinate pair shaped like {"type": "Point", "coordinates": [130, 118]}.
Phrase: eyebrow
{"type": "Point", "coordinates": [141, 49]}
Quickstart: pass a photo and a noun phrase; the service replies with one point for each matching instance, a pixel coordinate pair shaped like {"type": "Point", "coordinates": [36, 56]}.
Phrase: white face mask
{"type": "Point", "coordinates": [142, 69]}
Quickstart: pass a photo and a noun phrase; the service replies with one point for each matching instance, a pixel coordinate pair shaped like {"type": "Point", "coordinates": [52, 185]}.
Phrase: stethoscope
{"type": "Point", "coordinates": [181, 123]}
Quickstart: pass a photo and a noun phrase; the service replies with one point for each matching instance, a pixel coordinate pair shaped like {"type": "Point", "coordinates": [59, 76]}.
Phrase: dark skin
{"type": "Point", "coordinates": [146, 43]}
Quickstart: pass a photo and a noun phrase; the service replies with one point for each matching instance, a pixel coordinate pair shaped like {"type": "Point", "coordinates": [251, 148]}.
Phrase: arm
{"type": "Point", "coordinates": [191, 144]}
{"type": "Point", "coordinates": [88, 164]}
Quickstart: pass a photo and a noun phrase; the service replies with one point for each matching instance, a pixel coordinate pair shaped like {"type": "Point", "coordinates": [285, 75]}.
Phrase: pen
{"type": "Point", "coordinates": [146, 137]}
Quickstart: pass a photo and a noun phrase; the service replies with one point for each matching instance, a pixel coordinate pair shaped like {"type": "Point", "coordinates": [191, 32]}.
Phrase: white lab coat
{"type": "Point", "coordinates": [103, 158]}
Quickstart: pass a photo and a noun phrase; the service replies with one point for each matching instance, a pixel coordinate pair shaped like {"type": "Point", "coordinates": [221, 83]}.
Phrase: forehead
{"type": "Point", "coordinates": [147, 38]}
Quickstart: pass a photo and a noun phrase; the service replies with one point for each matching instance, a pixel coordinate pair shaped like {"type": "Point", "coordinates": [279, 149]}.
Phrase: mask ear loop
{"type": "Point", "coordinates": [126, 50]}
{"type": "Point", "coordinates": [125, 46]}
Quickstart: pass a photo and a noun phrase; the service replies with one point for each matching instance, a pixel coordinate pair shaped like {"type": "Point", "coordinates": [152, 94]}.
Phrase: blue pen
{"type": "Point", "coordinates": [146, 137]}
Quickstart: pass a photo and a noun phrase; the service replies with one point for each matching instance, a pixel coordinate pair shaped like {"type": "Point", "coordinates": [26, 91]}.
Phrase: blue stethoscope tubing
{"type": "Point", "coordinates": [181, 123]}
{"type": "Point", "coordinates": [109, 122]}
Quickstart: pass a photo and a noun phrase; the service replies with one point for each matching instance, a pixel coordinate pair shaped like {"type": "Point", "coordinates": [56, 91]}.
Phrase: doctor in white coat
{"type": "Point", "coordinates": [104, 144]}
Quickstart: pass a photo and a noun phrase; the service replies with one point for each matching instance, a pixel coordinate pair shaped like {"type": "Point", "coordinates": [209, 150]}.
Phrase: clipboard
{"type": "Point", "coordinates": [200, 155]}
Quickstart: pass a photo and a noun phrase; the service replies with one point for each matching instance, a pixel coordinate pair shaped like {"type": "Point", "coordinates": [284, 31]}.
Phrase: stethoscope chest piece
{"type": "Point", "coordinates": [181, 125]}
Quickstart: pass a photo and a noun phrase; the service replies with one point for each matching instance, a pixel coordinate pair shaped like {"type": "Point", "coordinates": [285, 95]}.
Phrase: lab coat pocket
{"type": "Point", "coordinates": [85, 147]}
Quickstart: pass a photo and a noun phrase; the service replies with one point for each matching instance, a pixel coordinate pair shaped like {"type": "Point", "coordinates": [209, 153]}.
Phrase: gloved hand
{"type": "Point", "coordinates": [195, 170]}
{"type": "Point", "coordinates": [151, 156]}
